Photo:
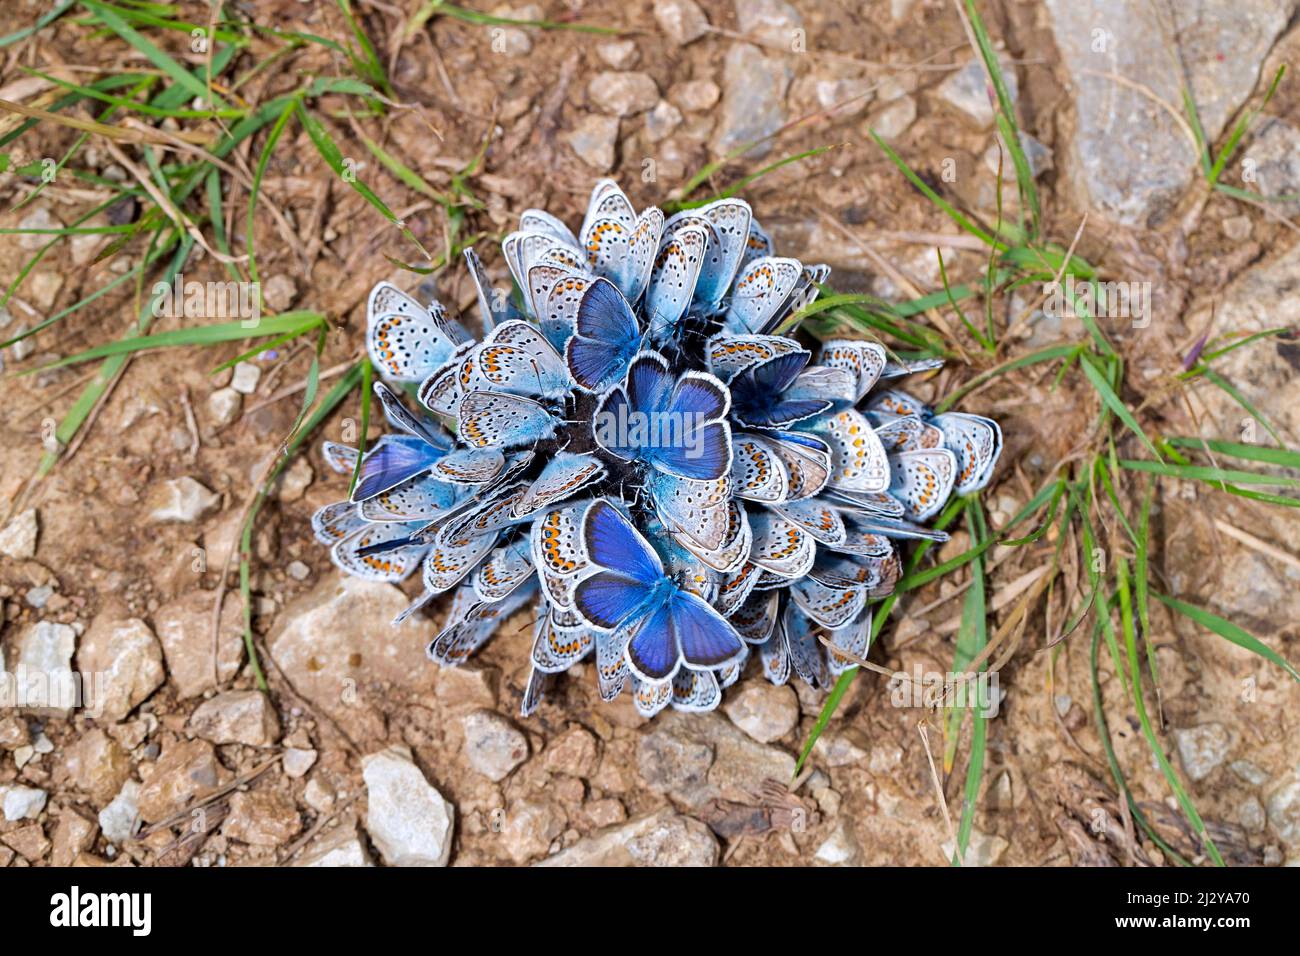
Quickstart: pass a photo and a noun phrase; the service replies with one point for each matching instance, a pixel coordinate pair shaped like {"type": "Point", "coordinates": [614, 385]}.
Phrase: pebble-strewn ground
{"type": "Point", "coordinates": [363, 753]}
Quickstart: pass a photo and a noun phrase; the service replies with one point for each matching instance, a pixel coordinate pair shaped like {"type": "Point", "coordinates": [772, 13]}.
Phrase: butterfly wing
{"type": "Point", "coordinates": [977, 443]}
{"type": "Point", "coordinates": [405, 340]}
{"type": "Point", "coordinates": [563, 476]}
{"type": "Point", "coordinates": [859, 462]}
{"type": "Point", "coordinates": [672, 280]}
{"type": "Point", "coordinates": [490, 419]}
{"type": "Point", "coordinates": [922, 481]}
{"type": "Point", "coordinates": [392, 462]}
{"type": "Point", "coordinates": [704, 638]}
{"type": "Point", "coordinates": [611, 542]}
{"type": "Point", "coordinates": [606, 340]}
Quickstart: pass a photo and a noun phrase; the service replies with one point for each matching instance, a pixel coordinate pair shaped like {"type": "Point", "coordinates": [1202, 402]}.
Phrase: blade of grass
{"type": "Point", "coordinates": [1227, 630]}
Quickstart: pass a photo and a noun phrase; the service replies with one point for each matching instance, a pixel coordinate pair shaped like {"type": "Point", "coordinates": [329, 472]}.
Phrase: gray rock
{"type": "Point", "coordinates": [662, 838]}
{"type": "Point", "coordinates": [298, 571]}
{"type": "Point", "coordinates": [697, 757]}
{"type": "Point", "coordinates": [764, 711]}
{"type": "Point", "coordinates": [184, 629]}
{"type": "Point", "coordinates": [46, 649]}
{"type": "Point", "coordinates": [1202, 748]}
{"type": "Point", "coordinates": [297, 761]}
{"type": "Point", "coordinates": [983, 849]}
{"type": "Point", "coordinates": [22, 803]}
{"type": "Point", "coordinates": [530, 828]}
{"type": "Point", "coordinates": [681, 20]}
{"type": "Point", "coordinates": [18, 539]}
{"type": "Point", "coordinates": [893, 119]}
{"type": "Point", "coordinates": [593, 139]}
{"type": "Point", "coordinates": [841, 848]}
{"type": "Point", "coordinates": [622, 94]}
{"type": "Point", "coordinates": [1038, 155]}
{"type": "Point", "coordinates": [661, 121]}
{"type": "Point", "coordinates": [408, 820]}
{"type": "Point", "coordinates": [696, 96]}
{"type": "Point", "coordinates": [237, 717]}
{"type": "Point", "coordinates": [38, 218]}
{"type": "Point", "coordinates": [245, 377]}
{"type": "Point", "coordinates": [1284, 811]}
{"type": "Point", "coordinates": [968, 92]}
{"type": "Point", "coordinates": [773, 22]}
{"type": "Point", "coordinates": [341, 846]}
{"type": "Point", "coordinates": [181, 499]}
{"type": "Point", "coordinates": [224, 406]}
{"type": "Point", "coordinates": [294, 480]}
{"type": "Point", "coordinates": [619, 54]}
{"type": "Point", "coordinates": [493, 745]}
{"type": "Point", "coordinates": [329, 646]}
{"type": "Point", "coordinates": [116, 819]}
{"type": "Point", "coordinates": [1251, 814]}
{"type": "Point", "coordinates": [1129, 158]}
{"type": "Point", "coordinates": [1273, 162]}
{"type": "Point", "coordinates": [1249, 772]}
{"type": "Point", "coordinates": [753, 102]}
{"type": "Point", "coordinates": [278, 292]}
{"type": "Point", "coordinates": [128, 656]}
{"type": "Point", "coordinates": [39, 597]}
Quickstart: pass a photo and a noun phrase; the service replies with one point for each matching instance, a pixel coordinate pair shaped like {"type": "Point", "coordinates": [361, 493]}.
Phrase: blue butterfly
{"type": "Point", "coordinates": [606, 341]}
{"type": "Point", "coordinates": [757, 393]}
{"type": "Point", "coordinates": [664, 625]}
{"type": "Point", "coordinates": [397, 458]}
{"type": "Point", "coordinates": [673, 424]}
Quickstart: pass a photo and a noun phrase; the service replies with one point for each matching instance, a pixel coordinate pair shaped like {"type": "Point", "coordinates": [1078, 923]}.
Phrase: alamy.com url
{"type": "Point", "coordinates": [1203, 923]}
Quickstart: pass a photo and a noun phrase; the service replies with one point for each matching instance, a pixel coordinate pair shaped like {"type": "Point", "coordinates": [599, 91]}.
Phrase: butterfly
{"type": "Point", "coordinates": [664, 625]}
{"type": "Point", "coordinates": [672, 280]}
{"type": "Point", "coordinates": [494, 307]}
{"type": "Point", "coordinates": [865, 361]}
{"type": "Point", "coordinates": [725, 224]}
{"type": "Point", "coordinates": [606, 338]}
{"type": "Point", "coordinates": [675, 424]}
{"type": "Point", "coordinates": [496, 418]}
{"type": "Point", "coordinates": [625, 254]}
{"type": "Point", "coordinates": [759, 294]}
{"type": "Point", "coordinates": [405, 340]}
{"type": "Point", "coordinates": [563, 476]}
{"type": "Point", "coordinates": [758, 393]}
{"type": "Point", "coordinates": [516, 358]}
{"type": "Point", "coordinates": [922, 481]}
{"type": "Point", "coordinates": [977, 443]}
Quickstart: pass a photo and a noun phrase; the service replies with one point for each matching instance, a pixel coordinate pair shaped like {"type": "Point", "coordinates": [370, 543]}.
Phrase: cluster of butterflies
{"type": "Point", "coordinates": [764, 528]}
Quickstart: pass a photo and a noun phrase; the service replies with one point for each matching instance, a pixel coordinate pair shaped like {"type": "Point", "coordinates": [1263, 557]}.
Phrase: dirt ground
{"type": "Point", "coordinates": [139, 591]}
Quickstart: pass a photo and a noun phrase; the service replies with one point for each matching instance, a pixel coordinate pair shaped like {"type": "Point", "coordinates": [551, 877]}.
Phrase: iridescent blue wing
{"type": "Point", "coordinates": [496, 418]}
{"type": "Point", "coordinates": [694, 442]}
{"type": "Point", "coordinates": [759, 393]}
{"type": "Point", "coordinates": [704, 637]}
{"type": "Point", "coordinates": [729, 354]}
{"type": "Point", "coordinates": [652, 653]}
{"type": "Point", "coordinates": [611, 542]}
{"type": "Point", "coordinates": [649, 383]}
{"type": "Point", "coordinates": [606, 341]}
{"type": "Point", "coordinates": [392, 462]}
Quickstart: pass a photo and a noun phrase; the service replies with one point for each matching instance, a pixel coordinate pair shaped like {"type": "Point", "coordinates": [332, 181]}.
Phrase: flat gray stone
{"type": "Point", "coordinates": [753, 101]}
{"type": "Point", "coordinates": [408, 820]}
{"type": "Point", "coordinates": [662, 838]}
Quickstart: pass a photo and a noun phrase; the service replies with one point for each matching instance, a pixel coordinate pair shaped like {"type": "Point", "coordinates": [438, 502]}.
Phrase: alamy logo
{"type": "Point", "coordinates": [28, 688]}
{"type": "Point", "coordinates": [1102, 300]}
{"type": "Point", "coordinates": [628, 428]}
{"type": "Point", "coordinates": [133, 910]}
{"type": "Point", "coordinates": [208, 300]}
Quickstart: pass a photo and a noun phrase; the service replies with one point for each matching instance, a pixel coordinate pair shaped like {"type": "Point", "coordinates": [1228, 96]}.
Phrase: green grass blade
{"type": "Point", "coordinates": [1112, 401]}
{"type": "Point", "coordinates": [1227, 630]}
